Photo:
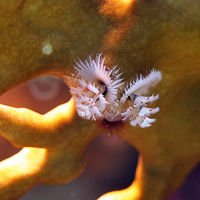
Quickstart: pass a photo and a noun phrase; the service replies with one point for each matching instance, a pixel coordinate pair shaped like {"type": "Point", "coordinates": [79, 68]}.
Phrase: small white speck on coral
{"type": "Point", "coordinates": [96, 91]}
{"type": "Point", "coordinates": [47, 49]}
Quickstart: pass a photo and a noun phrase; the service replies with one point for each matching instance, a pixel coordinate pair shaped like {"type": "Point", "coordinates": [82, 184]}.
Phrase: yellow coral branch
{"type": "Point", "coordinates": [19, 173]}
{"type": "Point", "coordinates": [24, 127]}
{"type": "Point", "coordinates": [32, 166]}
{"type": "Point", "coordinates": [60, 161]}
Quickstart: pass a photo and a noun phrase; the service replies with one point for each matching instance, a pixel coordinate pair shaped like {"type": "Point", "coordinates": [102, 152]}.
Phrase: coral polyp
{"type": "Point", "coordinates": [100, 93]}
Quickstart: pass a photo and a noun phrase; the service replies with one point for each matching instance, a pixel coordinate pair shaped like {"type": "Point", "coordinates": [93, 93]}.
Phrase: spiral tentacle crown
{"type": "Point", "coordinates": [100, 93]}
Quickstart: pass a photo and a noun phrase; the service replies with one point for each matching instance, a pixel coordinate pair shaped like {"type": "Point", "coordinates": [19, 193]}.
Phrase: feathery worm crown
{"type": "Point", "coordinates": [95, 89]}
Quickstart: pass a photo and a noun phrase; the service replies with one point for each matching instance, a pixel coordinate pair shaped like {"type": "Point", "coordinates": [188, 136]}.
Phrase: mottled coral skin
{"type": "Point", "coordinates": [163, 34]}
{"type": "Point", "coordinates": [73, 28]}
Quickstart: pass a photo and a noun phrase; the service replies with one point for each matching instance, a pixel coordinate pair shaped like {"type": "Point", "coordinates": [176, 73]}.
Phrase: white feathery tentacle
{"type": "Point", "coordinates": [95, 89]}
{"type": "Point", "coordinates": [147, 122]}
{"type": "Point", "coordinates": [142, 85]}
{"type": "Point", "coordinates": [130, 113]}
